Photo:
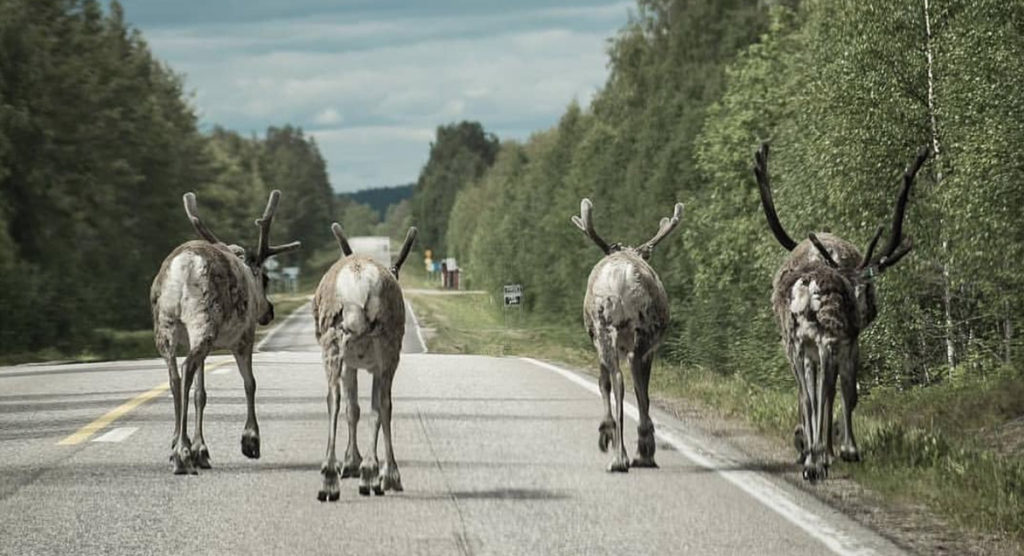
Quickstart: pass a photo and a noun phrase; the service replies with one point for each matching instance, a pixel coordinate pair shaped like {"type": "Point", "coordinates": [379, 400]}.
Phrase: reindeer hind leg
{"type": "Point", "coordinates": [166, 336]}
{"type": "Point", "coordinates": [640, 365]}
{"type": "Point", "coordinates": [610, 359]}
{"type": "Point", "coordinates": [200, 453]}
{"type": "Point", "coordinates": [848, 450]}
{"type": "Point", "coordinates": [330, 470]}
{"type": "Point", "coordinates": [181, 457]}
{"type": "Point", "coordinates": [391, 478]}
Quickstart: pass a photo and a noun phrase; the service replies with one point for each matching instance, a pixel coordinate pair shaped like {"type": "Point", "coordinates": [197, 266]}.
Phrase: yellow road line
{"type": "Point", "coordinates": [84, 433]}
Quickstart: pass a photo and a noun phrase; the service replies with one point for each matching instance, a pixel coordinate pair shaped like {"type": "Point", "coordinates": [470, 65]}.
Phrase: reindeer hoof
{"type": "Point", "coordinates": [606, 432]}
{"type": "Point", "coordinates": [182, 461]}
{"type": "Point", "coordinates": [331, 488]}
{"type": "Point", "coordinates": [618, 466]}
{"type": "Point", "coordinates": [251, 445]}
{"type": "Point", "coordinates": [368, 478]}
{"type": "Point", "coordinates": [391, 480]}
{"type": "Point", "coordinates": [815, 473]}
{"type": "Point", "coordinates": [328, 496]}
{"type": "Point", "coordinates": [849, 454]}
{"type": "Point", "coordinates": [201, 457]}
{"type": "Point", "coordinates": [349, 471]}
{"type": "Point", "coordinates": [378, 490]}
{"type": "Point", "coordinates": [641, 461]}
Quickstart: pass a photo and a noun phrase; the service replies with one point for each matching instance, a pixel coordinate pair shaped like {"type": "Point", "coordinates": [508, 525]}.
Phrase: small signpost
{"type": "Point", "coordinates": [513, 297]}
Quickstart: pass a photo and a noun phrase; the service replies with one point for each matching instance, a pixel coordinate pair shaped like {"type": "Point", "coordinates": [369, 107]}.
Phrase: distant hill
{"type": "Point", "coordinates": [380, 198]}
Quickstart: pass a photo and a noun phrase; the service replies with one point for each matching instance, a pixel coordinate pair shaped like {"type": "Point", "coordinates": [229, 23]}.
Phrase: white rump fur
{"type": "Point", "coordinates": [359, 294]}
{"type": "Point", "coordinates": [182, 295]}
{"type": "Point", "coordinates": [615, 283]}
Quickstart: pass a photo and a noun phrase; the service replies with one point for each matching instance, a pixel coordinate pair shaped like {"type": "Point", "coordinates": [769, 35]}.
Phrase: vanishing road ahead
{"type": "Point", "coordinates": [498, 456]}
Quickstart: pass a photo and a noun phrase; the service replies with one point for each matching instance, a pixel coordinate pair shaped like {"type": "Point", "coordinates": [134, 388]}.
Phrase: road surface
{"type": "Point", "coordinates": [498, 456]}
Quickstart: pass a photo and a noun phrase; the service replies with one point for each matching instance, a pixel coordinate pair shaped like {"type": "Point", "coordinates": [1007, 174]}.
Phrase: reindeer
{"type": "Point", "coordinates": [625, 312]}
{"type": "Point", "coordinates": [360, 320]}
{"type": "Point", "coordinates": [823, 296]}
{"type": "Point", "coordinates": [211, 295]}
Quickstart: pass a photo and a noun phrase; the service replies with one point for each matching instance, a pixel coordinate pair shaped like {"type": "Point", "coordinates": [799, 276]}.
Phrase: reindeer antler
{"type": "Point", "coordinates": [895, 249]}
{"type": "Point", "coordinates": [193, 217]}
{"type": "Point", "coordinates": [584, 223]}
{"type": "Point", "coordinates": [665, 227]}
{"type": "Point", "coordinates": [266, 250]}
{"type": "Point", "coordinates": [763, 185]}
{"type": "Point", "coordinates": [410, 236]}
{"type": "Point", "coordinates": [339, 234]}
{"type": "Point", "coordinates": [821, 250]}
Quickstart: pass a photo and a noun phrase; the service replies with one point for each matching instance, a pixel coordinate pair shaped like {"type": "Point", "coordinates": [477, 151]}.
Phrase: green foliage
{"type": "Point", "coordinates": [841, 90]}
{"type": "Point", "coordinates": [97, 145]}
{"type": "Point", "coordinates": [359, 219]}
{"type": "Point", "coordinates": [459, 154]}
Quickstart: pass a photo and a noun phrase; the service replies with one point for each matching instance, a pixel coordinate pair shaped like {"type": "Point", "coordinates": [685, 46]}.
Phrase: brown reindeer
{"type": "Point", "coordinates": [625, 312]}
{"type": "Point", "coordinates": [211, 295]}
{"type": "Point", "coordinates": [360, 321]}
{"type": "Point", "coordinates": [823, 296]}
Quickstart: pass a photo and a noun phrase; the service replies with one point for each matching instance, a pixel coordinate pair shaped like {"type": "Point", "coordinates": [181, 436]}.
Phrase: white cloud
{"type": "Point", "coordinates": [327, 116]}
{"type": "Point", "coordinates": [372, 92]}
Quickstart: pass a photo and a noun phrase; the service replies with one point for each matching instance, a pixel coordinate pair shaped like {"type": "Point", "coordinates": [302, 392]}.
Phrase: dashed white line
{"type": "Point", "coordinates": [116, 435]}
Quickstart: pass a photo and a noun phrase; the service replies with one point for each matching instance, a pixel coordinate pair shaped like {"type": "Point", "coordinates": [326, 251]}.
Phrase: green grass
{"type": "Point", "coordinates": [474, 323]}
{"type": "Point", "coordinates": [952, 447]}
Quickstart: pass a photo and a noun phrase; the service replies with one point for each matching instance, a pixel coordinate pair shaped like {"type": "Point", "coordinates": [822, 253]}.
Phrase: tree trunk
{"type": "Point", "coordinates": [1007, 334]}
{"type": "Point", "coordinates": [947, 296]}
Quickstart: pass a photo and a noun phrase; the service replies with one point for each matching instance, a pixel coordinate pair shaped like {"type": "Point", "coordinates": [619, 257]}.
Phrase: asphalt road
{"type": "Point", "coordinates": [498, 456]}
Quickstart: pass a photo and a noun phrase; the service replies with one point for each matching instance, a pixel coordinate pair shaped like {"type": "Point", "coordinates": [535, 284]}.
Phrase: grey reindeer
{"type": "Point", "coordinates": [210, 295]}
{"type": "Point", "coordinates": [626, 313]}
{"type": "Point", "coordinates": [360, 321]}
{"type": "Point", "coordinates": [823, 297]}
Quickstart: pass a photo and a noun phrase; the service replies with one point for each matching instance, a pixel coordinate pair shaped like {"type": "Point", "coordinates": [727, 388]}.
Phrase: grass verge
{"type": "Point", "coordinates": [955, 448]}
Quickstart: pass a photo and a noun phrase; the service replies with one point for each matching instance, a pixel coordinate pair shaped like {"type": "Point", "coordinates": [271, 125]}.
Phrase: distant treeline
{"type": "Point", "coordinates": [97, 145]}
{"type": "Point", "coordinates": [846, 93]}
{"type": "Point", "coordinates": [381, 198]}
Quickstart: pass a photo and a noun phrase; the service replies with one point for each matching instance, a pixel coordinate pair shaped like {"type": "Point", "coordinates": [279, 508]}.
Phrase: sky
{"type": "Point", "coordinates": [372, 79]}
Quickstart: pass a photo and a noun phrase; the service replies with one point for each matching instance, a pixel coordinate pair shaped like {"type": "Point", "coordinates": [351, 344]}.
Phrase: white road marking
{"type": "Point", "coordinates": [222, 371]}
{"type": "Point", "coordinates": [416, 325]}
{"type": "Point", "coordinates": [273, 331]}
{"type": "Point", "coordinates": [116, 435]}
{"type": "Point", "coordinates": [750, 482]}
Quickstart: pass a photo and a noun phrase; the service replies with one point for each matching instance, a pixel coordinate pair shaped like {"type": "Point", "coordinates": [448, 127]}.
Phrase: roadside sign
{"type": "Point", "coordinates": [513, 295]}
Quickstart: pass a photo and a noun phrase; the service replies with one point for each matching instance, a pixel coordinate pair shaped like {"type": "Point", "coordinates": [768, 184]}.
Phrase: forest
{"type": "Point", "coordinates": [845, 93]}
{"type": "Point", "coordinates": [98, 141]}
